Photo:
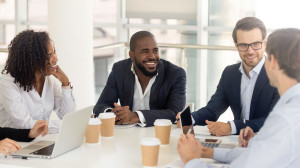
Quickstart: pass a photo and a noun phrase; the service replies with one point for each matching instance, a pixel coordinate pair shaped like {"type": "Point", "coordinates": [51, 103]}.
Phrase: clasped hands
{"type": "Point", "coordinates": [124, 115]}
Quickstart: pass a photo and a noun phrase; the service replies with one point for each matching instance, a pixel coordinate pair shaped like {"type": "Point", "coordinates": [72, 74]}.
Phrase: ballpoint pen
{"type": "Point", "coordinates": [244, 132]}
{"type": "Point", "coordinates": [20, 157]}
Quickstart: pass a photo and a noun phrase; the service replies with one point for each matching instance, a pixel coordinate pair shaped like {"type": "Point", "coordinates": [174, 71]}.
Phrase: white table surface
{"type": "Point", "coordinates": [123, 150]}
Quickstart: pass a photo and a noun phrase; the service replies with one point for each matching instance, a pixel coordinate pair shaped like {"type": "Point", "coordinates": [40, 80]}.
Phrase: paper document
{"type": "Point", "coordinates": [198, 130]}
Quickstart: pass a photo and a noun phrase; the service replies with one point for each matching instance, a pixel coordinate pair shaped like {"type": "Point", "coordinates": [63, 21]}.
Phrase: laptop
{"type": "Point", "coordinates": [70, 136]}
{"type": "Point", "coordinates": [188, 128]}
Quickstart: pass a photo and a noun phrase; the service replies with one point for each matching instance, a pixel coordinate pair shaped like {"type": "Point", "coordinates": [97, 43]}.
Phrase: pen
{"type": "Point", "coordinates": [177, 120]}
{"type": "Point", "coordinates": [244, 132]}
{"type": "Point", "coordinates": [20, 157]}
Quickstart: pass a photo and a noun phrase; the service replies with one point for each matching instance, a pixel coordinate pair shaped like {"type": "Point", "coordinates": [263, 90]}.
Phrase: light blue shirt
{"type": "Point", "coordinates": [247, 87]}
{"type": "Point", "coordinates": [276, 144]}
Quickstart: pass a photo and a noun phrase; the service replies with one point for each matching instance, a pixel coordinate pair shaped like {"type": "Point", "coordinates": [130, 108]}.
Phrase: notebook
{"type": "Point", "coordinates": [70, 136]}
{"type": "Point", "coordinates": [187, 127]}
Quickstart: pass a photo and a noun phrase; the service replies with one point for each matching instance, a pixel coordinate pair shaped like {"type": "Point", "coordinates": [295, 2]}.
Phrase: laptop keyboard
{"type": "Point", "coordinates": [47, 151]}
{"type": "Point", "coordinates": [210, 145]}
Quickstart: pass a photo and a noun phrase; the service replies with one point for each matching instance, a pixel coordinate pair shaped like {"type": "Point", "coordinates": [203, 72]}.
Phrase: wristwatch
{"type": "Point", "coordinates": [70, 85]}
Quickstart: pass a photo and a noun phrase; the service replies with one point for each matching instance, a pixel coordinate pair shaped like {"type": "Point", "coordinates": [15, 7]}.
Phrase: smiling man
{"type": "Point", "coordinates": [244, 87]}
{"type": "Point", "coordinates": [147, 87]}
{"type": "Point", "coordinates": [276, 144]}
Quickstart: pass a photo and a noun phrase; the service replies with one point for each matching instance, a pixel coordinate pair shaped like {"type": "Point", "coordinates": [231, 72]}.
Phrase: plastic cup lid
{"type": "Point", "coordinates": [107, 115]}
{"type": "Point", "coordinates": [150, 141]}
{"type": "Point", "coordinates": [162, 122]}
{"type": "Point", "coordinates": [94, 121]}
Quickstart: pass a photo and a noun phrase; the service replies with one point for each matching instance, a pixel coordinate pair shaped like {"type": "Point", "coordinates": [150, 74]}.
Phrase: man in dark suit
{"type": "Point", "coordinates": [148, 88]}
{"type": "Point", "coordinates": [244, 87]}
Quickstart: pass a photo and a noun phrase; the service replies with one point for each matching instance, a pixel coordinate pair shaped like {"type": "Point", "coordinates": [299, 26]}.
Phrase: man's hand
{"type": "Point", "coordinates": [218, 128]}
{"type": "Point", "coordinates": [124, 115]}
{"type": "Point", "coordinates": [178, 120]}
{"type": "Point", "coordinates": [8, 146]}
{"type": "Point", "coordinates": [189, 148]}
{"type": "Point", "coordinates": [40, 127]}
{"type": "Point", "coordinates": [245, 136]}
{"type": "Point", "coordinates": [61, 76]}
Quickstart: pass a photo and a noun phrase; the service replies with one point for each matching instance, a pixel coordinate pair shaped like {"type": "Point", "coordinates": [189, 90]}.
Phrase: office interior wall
{"type": "Point", "coordinates": [70, 25]}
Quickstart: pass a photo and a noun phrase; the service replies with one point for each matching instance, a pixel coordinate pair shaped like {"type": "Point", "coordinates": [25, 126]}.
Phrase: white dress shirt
{"type": "Point", "coordinates": [21, 109]}
{"type": "Point", "coordinates": [141, 100]}
{"type": "Point", "coordinates": [276, 144]}
{"type": "Point", "coordinates": [247, 87]}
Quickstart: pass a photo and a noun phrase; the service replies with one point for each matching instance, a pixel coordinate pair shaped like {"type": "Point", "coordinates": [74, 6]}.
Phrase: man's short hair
{"type": "Point", "coordinates": [247, 24]}
{"type": "Point", "coordinates": [138, 35]}
{"type": "Point", "coordinates": [284, 44]}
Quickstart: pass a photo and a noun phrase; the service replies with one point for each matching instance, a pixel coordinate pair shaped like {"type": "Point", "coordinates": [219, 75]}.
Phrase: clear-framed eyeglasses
{"type": "Point", "coordinates": [244, 46]}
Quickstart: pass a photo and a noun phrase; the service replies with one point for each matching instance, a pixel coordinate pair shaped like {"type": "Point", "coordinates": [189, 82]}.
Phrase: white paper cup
{"type": "Point", "coordinates": [107, 124]}
{"type": "Point", "coordinates": [163, 130]}
{"type": "Point", "coordinates": [93, 131]}
{"type": "Point", "coordinates": [150, 151]}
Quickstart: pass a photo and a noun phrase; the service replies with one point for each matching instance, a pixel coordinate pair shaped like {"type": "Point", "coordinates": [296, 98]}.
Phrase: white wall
{"type": "Point", "coordinates": [70, 25]}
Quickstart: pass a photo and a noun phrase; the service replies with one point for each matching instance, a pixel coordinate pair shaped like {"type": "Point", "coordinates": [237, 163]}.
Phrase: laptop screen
{"type": "Point", "coordinates": [186, 121]}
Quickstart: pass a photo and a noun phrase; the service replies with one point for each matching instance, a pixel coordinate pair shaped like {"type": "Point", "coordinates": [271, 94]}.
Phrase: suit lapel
{"type": "Point", "coordinates": [156, 85]}
{"type": "Point", "coordinates": [237, 78]}
{"type": "Point", "coordinates": [129, 81]}
{"type": "Point", "coordinates": [261, 81]}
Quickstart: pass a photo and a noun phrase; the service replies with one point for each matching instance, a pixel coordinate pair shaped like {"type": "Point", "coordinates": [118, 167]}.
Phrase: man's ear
{"type": "Point", "coordinates": [265, 42]}
{"type": "Point", "coordinates": [131, 55]}
{"type": "Point", "coordinates": [235, 44]}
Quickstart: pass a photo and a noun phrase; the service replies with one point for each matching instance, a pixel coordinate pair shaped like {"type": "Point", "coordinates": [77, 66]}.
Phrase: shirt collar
{"type": "Point", "coordinates": [256, 69]}
{"type": "Point", "coordinates": [289, 94]}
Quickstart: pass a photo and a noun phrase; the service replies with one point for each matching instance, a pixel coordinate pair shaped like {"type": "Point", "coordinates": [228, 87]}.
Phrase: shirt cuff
{"type": "Point", "coordinates": [67, 92]}
{"type": "Point", "coordinates": [194, 163]}
{"type": "Point", "coordinates": [220, 154]}
{"type": "Point", "coordinates": [142, 119]}
{"type": "Point", "coordinates": [193, 121]}
{"type": "Point", "coordinates": [233, 127]}
{"type": "Point", "coordinates": [66, 87]}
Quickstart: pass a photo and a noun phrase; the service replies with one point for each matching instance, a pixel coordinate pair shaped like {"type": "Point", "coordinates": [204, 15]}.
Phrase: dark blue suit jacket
{"type": "Point", "coordinates": [228, 94]}
{"type": "Point", "coordinates": [167, 96]}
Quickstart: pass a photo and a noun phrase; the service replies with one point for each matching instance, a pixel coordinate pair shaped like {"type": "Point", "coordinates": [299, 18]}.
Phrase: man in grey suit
{"type": "Point", "coordinates": [147, 87]}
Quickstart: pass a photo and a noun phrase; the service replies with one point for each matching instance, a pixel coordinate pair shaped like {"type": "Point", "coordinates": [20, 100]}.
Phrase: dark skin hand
{"type": "Point", "coordinates": [124, 115]}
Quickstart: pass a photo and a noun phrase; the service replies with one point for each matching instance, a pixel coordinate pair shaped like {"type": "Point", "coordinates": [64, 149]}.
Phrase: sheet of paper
{"type": "Point", "coordinates": [125, 126]}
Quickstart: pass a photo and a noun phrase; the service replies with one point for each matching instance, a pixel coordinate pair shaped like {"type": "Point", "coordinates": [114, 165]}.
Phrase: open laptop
{"type": "Point", "coordinates": [70, 136]}
{"type": "Point", "coordinates": [188, 128]}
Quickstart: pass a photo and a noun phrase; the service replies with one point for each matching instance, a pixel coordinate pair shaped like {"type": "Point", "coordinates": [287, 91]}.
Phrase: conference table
{"type": "Point", "coordinates": [122, 150]}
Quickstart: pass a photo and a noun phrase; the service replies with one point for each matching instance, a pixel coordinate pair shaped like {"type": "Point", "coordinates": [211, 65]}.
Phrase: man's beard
{"type": "Point", "coordinates": [143, 69]}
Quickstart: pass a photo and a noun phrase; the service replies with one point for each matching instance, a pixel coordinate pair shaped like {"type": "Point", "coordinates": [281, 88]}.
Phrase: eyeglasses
{"type": "Point", "coordinates": [244, 46]}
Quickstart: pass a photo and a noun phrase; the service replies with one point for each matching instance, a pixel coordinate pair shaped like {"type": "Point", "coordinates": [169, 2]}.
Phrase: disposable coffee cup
{"type": "Point", "coordinates": [150, 151]}
{"type": "Point", "coordinates": [163, 130]}
{"type": "Point", "coordinates": [93, 131]}
{"type": "Point", "coordinates": [107, 124]}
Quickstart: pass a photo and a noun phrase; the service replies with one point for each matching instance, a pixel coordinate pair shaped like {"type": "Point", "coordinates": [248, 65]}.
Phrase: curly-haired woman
{"type": "Point", "coordinates": [29, 90]}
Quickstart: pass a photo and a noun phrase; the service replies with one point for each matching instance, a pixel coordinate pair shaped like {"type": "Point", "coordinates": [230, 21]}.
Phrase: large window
{"type": "Point", "coordinates": [111, 25]}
